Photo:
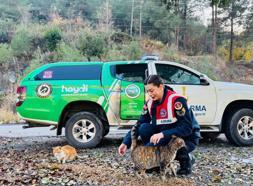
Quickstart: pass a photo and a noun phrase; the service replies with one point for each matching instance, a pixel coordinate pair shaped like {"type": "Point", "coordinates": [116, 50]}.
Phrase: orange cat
{"type": "Point", "coordinates": [65, 153]}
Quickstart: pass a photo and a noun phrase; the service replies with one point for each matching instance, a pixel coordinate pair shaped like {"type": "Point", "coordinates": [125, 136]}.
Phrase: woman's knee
{"type": "Point", "coordinates": [145, 131]}
{"type": "Point", "coordinates": [146, 128]}
{"type": "Point", "coordinates": [190, 146]}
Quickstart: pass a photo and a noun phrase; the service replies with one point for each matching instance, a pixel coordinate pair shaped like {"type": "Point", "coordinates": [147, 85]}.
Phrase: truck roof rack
{"type": "Point", "coordinates": [150, 58]}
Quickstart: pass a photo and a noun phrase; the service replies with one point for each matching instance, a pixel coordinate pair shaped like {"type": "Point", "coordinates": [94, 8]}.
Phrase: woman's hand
{"type": "Point", "coordinates": [156, 138]}
{"type": "Point", "coordinates": [122, 149]}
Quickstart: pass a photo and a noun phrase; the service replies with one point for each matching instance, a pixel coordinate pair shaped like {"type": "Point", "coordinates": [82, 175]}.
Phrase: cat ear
{"type": "Point", "coordinates": [172, 139]}
{"type": "Point", "coordinates": [55, 147]}
{"type": "Point", "coordinates": [173, 136]}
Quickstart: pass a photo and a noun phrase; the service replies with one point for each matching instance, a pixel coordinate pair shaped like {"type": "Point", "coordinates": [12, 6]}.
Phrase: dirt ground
{"type": "Point", "coordinates": [29, 161]}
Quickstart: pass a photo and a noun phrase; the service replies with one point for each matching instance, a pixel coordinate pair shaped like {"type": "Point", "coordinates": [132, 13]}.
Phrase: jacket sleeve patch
{"type": "Point", "coordinates": [178, 106]}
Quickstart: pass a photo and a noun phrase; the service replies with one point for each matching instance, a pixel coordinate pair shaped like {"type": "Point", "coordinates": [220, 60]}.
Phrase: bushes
{"type": "Point", "coordinates": [121, 37]}
{"type": "Point", "coordinates": [67, 53]}
{"type": "Point", "coordinates": [170, 53]}
{"type": "Point", "coordinates": [7, 109]}
{"type": "Point", "coordinates": [93, 45]}
{"type": "Point", "coordinates": [4, 37]}
{"type": "Point", "coordinates": [5, 53]}
{"type": "Point", "coordinates": [207, 68]}
{"type": "Point", "coordinates": [21, 43]}
{"type": "Point", "coordinates": [241, 53]}
{"type": "Point", "coordinates": [115, 54]}
{"type": "Point", "coordinates": [52, 38]}
{"type": "Point", "coordinates": [5, 30]}
{"type": "Point", "coordinates": [248, 55]}
{"type": "Point", "coordinates": [151, 46]}
{"type": "Point", "coordinates": [132, 51]}
{"type": "Point", "coordinates": [39, 42]}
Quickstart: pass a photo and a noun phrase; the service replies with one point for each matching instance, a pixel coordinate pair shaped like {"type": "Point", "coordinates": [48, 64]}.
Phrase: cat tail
{"type": "Point", "coordinates": [134, 136]}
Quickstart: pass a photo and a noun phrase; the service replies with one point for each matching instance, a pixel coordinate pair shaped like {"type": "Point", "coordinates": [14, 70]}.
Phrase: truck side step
{"type": "Point", "coordinates": [34, 125]}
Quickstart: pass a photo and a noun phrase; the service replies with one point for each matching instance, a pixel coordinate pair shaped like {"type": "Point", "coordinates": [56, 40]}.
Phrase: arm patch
{"type": "Point", "coordinates": [178, 105]}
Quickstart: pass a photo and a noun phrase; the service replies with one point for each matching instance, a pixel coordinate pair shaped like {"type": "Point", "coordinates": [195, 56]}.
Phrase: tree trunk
{"type": "Point", "coordinates": [215, 31]}
{"type": "Point", "coordinates": [213, 28]}
{"type": "Point", "coordinates": [140, 27]}
{"type": "Point", "coordinates": [184, 27]}
{"type": "Point", "coordinates": [132, 17]}
{"type": "Point", "coordinates": [177, 38]}
{"type": "Point", "coordinates": [107, 16]}
{"type": "Point", "coordinates": [177, 28]}
{"type": "Point", "coordinates": [231, 53]}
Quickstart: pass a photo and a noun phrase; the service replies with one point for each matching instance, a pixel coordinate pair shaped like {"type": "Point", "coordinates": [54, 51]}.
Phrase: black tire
{"type": "Point", "coordinates": [234, 131]}
{"type": "Point", "coordinates": [84, 130]}
{"type": "Point", "coordinates": [106, 130]}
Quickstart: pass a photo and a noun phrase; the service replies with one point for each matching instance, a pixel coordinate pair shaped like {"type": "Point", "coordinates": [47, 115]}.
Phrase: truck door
{"type": "Point", "coordinates": [131, 100]}
{"type": "Point", "coordinates": [132, 94]}
{"type": "Point", "coordinates": [201, 98]}
{"type": "Point", "coordinates": [124, 91]}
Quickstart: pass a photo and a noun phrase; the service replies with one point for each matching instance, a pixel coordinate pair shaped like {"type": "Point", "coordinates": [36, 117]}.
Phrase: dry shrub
{"type": "Point", "coordinates": [172, 54]}
{"type": "Point", "coordinates": [151, 46]}
{"type": "Point", "coordinates": [7, 109]}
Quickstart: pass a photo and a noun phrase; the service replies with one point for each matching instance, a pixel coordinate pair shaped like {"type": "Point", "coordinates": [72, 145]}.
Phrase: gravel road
{"type": "Point", "coordinates": [28, 160]}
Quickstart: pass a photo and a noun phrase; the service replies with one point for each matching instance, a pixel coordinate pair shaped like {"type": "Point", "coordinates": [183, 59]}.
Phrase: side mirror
{"type": "Point", "coordinates": [203, 80]}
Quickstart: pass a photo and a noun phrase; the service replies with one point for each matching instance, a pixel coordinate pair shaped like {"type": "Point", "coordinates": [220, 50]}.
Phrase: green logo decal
{"type": "Point", "coordinates": [132, 91]}
{"type": "Point", "coordinates": [74, 90]}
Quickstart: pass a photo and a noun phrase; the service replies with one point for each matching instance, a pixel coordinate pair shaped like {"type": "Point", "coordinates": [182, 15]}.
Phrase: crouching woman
{"type": "Point", "coordinates": [166, 113]}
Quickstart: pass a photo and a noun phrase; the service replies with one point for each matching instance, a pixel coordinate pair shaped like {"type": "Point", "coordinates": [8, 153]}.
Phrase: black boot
{"type": "Point", "coordinates": [184, 161]}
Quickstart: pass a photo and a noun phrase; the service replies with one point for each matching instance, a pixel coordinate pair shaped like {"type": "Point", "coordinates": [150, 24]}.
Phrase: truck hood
{"type": "Point", "coordinates": [221, 86]}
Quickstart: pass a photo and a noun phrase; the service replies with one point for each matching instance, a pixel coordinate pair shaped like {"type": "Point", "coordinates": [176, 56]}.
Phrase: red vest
{"type": "Point", "coordinates": [165, 111]}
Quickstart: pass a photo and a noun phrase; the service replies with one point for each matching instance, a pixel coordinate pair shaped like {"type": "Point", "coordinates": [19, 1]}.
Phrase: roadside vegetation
{"type": "Point", "coordinates": [7, 110]}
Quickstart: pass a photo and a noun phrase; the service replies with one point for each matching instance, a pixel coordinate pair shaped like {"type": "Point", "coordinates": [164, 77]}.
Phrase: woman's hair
{"type": "Point", "coordinates": [155, 79]}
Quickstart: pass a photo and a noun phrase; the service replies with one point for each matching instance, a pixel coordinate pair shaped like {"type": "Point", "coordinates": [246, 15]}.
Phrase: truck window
{"type": "Point", "coordinates": [74, 72]}
{"type": "Point", "coordinates": [129, 72]}
{"type": "Point", "coordinates": [176, 75]}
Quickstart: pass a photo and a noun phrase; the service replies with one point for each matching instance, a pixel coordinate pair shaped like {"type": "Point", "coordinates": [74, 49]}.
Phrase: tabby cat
{"type": "Point", "coordinates": [146, 157]}
{"type": "Point", "coordinates": [65, 153]}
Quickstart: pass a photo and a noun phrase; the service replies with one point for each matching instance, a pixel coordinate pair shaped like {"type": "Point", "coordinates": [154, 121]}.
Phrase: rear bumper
{"type": "Point", "coordinates": [38, 121]}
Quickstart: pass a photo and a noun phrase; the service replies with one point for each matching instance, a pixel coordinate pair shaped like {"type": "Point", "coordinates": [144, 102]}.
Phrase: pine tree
{"type": "Point", "coordinates": [234, 16]}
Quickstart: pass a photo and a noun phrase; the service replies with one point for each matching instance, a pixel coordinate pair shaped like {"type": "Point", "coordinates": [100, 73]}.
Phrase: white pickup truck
{"type": "Point", "coordinates": [219, 107]}
{"type": "Point", "coordinates": [87, 98]}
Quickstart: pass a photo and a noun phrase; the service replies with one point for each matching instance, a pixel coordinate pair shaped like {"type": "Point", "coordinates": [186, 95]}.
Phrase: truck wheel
{"type": "Point", "coordinates": [239, 129]}
{"type": "Point", "coordinates": [84, 130]}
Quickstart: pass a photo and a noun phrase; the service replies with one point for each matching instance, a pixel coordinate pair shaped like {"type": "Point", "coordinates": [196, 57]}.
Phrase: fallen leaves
{"type": "Point", "coordinates": [29, 161]}
{"type": "Point", "coordinates": [223, 163]}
